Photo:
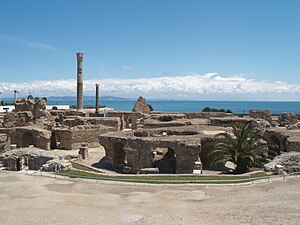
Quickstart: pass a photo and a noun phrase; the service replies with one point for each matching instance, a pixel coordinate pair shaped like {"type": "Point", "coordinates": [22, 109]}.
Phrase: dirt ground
{"type": "Point", "coordinates": [33, 200]}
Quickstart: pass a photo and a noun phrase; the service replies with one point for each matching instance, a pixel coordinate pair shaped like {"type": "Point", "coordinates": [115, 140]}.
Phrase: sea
{"type": "Point", "coordinates": [238, 107]}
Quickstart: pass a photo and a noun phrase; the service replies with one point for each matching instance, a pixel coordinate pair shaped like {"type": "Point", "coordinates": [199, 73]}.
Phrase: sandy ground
{"type": "Point", "coordinates": [32, 200]}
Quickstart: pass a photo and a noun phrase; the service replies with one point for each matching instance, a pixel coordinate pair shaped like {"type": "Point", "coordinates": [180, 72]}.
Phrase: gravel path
{"type": "Point", "coordinates": [39, 200]}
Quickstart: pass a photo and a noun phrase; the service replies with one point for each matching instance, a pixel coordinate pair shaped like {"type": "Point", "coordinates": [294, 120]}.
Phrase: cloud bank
{"type": "Point", "coordinates": [211, 86]}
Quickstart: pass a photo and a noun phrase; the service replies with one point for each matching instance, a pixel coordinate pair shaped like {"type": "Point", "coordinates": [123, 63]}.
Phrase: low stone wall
{"type": "Point", "coordinates": [72, 138]}
{"type": "Point", "coordinates": [207, 115]}
{"type": "Point", "coordinates": [114, 122]}
{"type": "Point", "coordinates": [230, 121]}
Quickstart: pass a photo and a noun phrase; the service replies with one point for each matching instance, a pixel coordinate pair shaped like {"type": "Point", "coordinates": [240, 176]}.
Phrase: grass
{"type": "Point", "coordinates": [166, 179]}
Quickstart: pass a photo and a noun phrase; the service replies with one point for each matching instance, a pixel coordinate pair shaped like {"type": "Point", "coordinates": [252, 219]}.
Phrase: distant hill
{"type": "Point", "coordinates": [87, 98]}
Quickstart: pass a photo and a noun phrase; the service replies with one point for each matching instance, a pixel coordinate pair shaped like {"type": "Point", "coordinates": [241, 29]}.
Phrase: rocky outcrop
{"type": "Point", "coordinates": [287, 118]}
{"type": "Point", "coordinates": [289, 160]}
{"type": "Point", "coordinates": [141, 106]}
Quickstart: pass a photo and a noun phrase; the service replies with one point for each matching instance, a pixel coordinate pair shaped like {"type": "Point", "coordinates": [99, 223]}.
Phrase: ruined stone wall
{"type": "Point", "coordinates": [25, 136]}
{"type": "Point", "coordinates": [230, 121]}
{"type": "Point", "coordinates": [64, 138]}
{"type": "Point", "coordinates": [72, 138]}
{"type": "Point", "coordinates": [141, 106]}
{"type": "Point", "coordinates": [125, 117]}
{"type": "Point", "coordinates": [18, 119]}
{"type": "Point", "coordinates": [24, 105]}
{"type": "Point", "coordinates": [138, 152]}
{"type": "Point", "coordinates": [207, 115]}
{"type": "Point", "coordinates": [4, 142]}
{"type": "Point", "coordinates": [261, 114]}
{"type": "Point", "coordinates": [113, 122]}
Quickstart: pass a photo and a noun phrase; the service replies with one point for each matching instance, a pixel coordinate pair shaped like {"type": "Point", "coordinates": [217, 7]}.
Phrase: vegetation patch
{"type": "Point", "coordinates": [223, 179]}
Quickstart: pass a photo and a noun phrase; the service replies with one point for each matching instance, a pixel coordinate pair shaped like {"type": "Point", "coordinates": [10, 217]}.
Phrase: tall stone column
{"type": "Point", "coordinates": [79, 82]}
{"type": "Point", "coordinates": [97, 98]}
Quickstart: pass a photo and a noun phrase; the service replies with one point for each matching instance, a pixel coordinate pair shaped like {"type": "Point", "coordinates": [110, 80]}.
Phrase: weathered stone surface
{"type": "Point", "coordinates": [207, 115]}
{"type": "Point", "coordinates": [18, 119]}
{"type": "Point", "coordinates": [286, 140]}
{"type": "Point", "coordinates": [289, 160]}
{"type": "Point", "coordinates": [140, 149]}
{"type": "Point", "coordinates": [230, 121]}
{"type": "Point", "coordinates": [4, 142]}
{"type": "Point", "coordinates": [32, 157]}
{"type": "Point", "coordinates": [149, 171]}
{"type": "Point", "coordinates": [152, 123]}
{"type": "Point", "coordinates": [53, 164]}
{"type": "Point", "coordinates": [261, 114]}
{"type": "Point", "coordinates": [287, 118]}
{"type": "Point", "coordinates": [24, 105]}
{"type": "Point", "coordinates": [141, 106]}
{"type": "Point", "coordinates": [72, 138]}
{"type": "Point", "coordinates": [109, 122]}
{"type": "Point", "coordinates": [30, 135]}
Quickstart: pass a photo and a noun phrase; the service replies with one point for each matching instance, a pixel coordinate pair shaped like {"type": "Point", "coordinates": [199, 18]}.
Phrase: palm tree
{"type": "Point", "coordinates": [244, 148]}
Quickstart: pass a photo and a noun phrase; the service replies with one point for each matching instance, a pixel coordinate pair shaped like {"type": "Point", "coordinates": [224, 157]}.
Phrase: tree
{"type": "Point", "coordinates": [206, 109]}
{"type": "Point", "coordinates": [245, 148]}
{"type": "Point", "coordinates": [150, 107]}
{"type": "Point", "coordinates": [30, 97]}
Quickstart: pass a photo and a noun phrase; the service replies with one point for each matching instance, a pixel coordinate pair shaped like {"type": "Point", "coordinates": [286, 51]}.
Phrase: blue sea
{"type": "Point", "coordinates": [238, 107]}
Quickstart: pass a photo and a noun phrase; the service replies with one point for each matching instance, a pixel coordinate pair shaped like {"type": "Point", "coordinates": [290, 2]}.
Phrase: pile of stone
{"type": "Point", "coordinates": [289, 160]}
{"type": "Point", "coordinates": [57, 165]}
{"type": "Point", "coordinates": [289, 120]}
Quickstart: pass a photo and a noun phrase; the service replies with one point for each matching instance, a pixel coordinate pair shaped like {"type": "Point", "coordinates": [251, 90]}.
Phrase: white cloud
{"type": "Point", "coordinates": [126, 67]}
{"type": "Point", "coordinates": [194, 86]}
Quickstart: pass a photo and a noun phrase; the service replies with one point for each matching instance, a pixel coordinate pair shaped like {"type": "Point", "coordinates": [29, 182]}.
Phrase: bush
{"type": "Point", "coordinates": [228, 111]}
{"type": "Point", "coordinates": [221, 110]}
{"type": "Point", "coordinates": [206, 109]}
{"type": "Point", "coordinates": [54, 107]}
{"type": "Point", "coordinates": [214, 110]}
{"type": "Point", "coordinates": [150, 107]}
{"type": "Point", "coordinates": [30, 97]}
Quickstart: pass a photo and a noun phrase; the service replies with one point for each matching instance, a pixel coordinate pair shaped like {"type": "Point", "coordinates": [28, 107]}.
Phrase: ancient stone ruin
{"type": "Point", "coordinates": [141, 106]}
{"type": "Point", "coordinates": [140, 141]}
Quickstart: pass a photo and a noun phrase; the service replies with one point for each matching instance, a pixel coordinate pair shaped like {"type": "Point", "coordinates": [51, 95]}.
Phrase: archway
{"type": "Point", "coordinates": [119, 157]}
{"type": "Point", "coordinates": [53, 141]}
{"type": "Point", "coordinates": [27, 139]}
{"type": "Point", "coordinates": [165, 160]}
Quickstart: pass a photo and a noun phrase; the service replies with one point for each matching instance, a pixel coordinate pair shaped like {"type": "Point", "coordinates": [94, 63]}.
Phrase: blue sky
{"type": "Point", "coordinates": [134, 41]}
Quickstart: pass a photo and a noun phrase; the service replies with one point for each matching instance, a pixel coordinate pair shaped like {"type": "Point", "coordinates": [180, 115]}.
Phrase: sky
{"type": "Point", "coordinates": [160, 49]}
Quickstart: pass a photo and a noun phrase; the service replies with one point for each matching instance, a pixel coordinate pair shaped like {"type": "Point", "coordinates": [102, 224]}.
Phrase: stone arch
{"type": "Point", "coordinates": [27, 139]}
{"type": "Point", "coordinates": [55, 141]}
{"type": "Point", "coordinates": [165, 160]}
{"type": "Point", "coordinates": [119, 157]}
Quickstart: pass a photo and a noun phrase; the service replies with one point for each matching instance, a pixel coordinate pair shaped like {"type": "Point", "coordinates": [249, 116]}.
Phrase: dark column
{"type": "Point", "coordinates": [79, 81]}
{"type": "Point", "coordinates": [97, 98]}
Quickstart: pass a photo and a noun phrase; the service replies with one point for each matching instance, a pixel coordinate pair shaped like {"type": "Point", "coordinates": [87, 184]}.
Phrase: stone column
{"type": "Point", "coordinates": [97, 99]}
{"type": "Point", "coordinates": [79, 82]}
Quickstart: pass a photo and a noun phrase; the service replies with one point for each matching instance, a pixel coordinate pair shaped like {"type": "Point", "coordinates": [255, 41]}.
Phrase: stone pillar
{"type": "Point", "coordinates": [97, 99]}
{"type": "Point", "coordinates": [79, 82]}
{"type": "Point", "coordinates": [83, 151]}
